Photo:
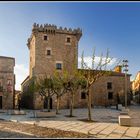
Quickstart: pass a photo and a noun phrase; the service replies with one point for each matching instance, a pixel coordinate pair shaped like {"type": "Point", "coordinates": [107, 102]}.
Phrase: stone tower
{"type": "Point", "coordinates": [52, 48]}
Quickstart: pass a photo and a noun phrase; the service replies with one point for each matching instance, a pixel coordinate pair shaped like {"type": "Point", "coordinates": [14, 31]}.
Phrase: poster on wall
{"type": "Point", "coordinates": [9, 85]}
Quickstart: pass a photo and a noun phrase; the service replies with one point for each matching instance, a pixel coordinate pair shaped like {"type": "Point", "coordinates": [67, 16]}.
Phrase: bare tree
{"type": "Point", "coordinates": [91, 74]}
{"type": "Point", "coordinates": [68, 84]}
{"type": "Point", "coordinates": [44, 85]}
{"type": "Point", "coordinates": [72, 86]}
{"type": "Point", "coordinates": [58, 89]}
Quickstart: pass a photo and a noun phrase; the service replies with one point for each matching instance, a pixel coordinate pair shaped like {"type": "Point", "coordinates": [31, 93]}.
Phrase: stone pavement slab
{"type": "Point", "coordinates": [114, 135]}
{"type": "Point", "coordinates": [120, 130]}
{"type": "Point", "coordinates": [109, 129]}
{"type": "Point", "coordinates": [132, 132]}
{"type": "Point", "coordinates": [100, 136]}
{"type": "Point", "coordinates": [86, 129]}
{"type": "Point", "coordinates": [98, 129]}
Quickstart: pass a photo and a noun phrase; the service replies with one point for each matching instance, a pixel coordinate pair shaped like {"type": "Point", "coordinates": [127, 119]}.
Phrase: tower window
{"type": "Point", "coordinates": [83, 95]}
{"type": "Point", "coordinates": [68, 39]}
{"type": "Point", "coordinates": [48, 52]}
{"type": "Point", "coordinates": [110, 95]}
{"type": "Point", "coordinates": [45, 37]}
{"type": "Point", "coordinates": [109, 85]}
{"type": "Point", "coordinates": [58, 66]}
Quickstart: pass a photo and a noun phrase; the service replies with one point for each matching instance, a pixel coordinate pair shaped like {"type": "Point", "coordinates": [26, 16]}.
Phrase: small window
{"type": "Point", "coordinates": [110, 95]}
{"type": "Point", "coordinates": [45, 37]}
{"type": "Point", "coordinates": [109, 85]}
{"type": "Point", "coordinates": [83, 95]}
{"type": "Point", "coordinates": [48, 52]}
{"type": "Point", "coordinates": [68, 39]}
{"type": "Point", "coordinates": [58, 66]}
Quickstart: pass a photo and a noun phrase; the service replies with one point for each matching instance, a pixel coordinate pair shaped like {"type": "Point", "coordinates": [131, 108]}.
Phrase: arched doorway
{"type": "Point", "coordinates": [46, 103]}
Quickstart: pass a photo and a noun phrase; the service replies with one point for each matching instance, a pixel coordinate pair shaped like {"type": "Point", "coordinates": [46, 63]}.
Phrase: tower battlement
{"type": "Point", "coordinates": [52, 29]}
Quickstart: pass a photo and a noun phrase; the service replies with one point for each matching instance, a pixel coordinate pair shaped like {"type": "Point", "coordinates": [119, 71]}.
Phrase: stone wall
{"type": "Point", "coordinates": [99, 92]}
{"type": "Point", "coordinates": [7, 81]}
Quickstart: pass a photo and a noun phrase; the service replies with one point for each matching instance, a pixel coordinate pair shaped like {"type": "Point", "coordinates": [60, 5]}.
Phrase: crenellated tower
{"type": "Point", "coordinates": [52, 48]}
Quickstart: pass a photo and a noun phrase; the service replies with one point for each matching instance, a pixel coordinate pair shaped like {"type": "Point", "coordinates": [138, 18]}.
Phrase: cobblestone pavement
{"type": "Point", "coordinates": [105, 123]}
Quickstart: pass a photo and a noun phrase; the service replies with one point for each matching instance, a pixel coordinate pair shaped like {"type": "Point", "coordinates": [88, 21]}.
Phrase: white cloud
{"type": "Point", "coordinates": [21, 73]}
{"type": "Point", "coordinates": [88, 61]}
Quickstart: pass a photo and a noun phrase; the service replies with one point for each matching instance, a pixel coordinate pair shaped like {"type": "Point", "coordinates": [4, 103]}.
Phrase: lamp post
{"type": "Point", "coordinates": [125, 65]}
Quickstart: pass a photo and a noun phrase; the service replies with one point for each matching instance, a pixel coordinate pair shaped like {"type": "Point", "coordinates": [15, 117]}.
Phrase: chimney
{"type": "Point", "coordinates": [118, 68]}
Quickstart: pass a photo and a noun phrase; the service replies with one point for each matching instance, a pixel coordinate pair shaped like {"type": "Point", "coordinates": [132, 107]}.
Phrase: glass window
{"type": "Point", "coordinates": [48, 52]}
{"type": "Point", "coordinates": [58, 66]}
{"type": "Point", "coordinates": [68, 39]}
{"type": "Point", "coordinates": [45, 37]}
{"type": "Point", "coordinates": [109, 85]}
{"type": "Point", "coordinates": [110, 95]}
{"type": "Point", "coordinates": [83, 95]}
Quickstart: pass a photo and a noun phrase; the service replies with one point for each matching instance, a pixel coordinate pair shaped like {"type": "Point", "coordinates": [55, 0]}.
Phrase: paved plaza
{"type": "Point", "coordinates": [105, 124]}
{"type": "Point", "coordinates": [10, 129]}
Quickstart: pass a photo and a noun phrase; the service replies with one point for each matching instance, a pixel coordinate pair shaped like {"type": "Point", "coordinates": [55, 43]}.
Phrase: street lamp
{"type": "Point", "coordinates": [125, 65]}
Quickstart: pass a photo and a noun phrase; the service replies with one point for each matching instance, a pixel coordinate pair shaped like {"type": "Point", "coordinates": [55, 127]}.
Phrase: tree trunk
{"type": "Point", "coordinates": [48, 103]}
{"type": "Point", "coordinates": [58, 104]}
{"type": "Point", "coordinates": [89, 105]}
{"type": "Point", "coordinates": [72, 104]}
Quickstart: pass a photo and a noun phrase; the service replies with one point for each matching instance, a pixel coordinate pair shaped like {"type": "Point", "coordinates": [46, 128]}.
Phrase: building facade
{"type": "Point", "coordinates": [106, 91]}
{"type": "Point", "coordinates": [7, 82]}
{"type": "Point", "coordinates": [136, 88]}
{"type": "Point", "coordinates": [16, 98]}
{"type": "Point", "coordinates": [51, 49]}
{"type": "Point", "coordinates": [56, 49]}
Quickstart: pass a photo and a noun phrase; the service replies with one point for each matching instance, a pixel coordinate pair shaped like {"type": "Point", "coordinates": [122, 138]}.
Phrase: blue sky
{"type": "Point", "coordinates": [113, 25]}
